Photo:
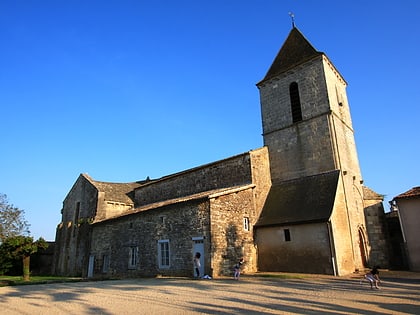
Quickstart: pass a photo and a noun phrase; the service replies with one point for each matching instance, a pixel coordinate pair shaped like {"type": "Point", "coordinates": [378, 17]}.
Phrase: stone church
{"type": "Point", "coordinates": [295, 205]}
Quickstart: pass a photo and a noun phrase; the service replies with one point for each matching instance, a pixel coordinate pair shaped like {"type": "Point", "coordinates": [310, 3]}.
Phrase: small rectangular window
{"type": "Point", "coordinates": [287, 235]}
{"type": "Point", "coordinates": [163, 253]}
{"type": "Point", "coordinates": [133, 257]}
{"type": "Point", "coordinates": [246, 224]}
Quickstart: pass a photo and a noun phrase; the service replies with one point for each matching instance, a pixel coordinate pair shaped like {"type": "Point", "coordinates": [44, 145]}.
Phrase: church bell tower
{"type": "Point", "coordinates": [308, 130]}
{"type": "Point", "coordinates": [305, 114]}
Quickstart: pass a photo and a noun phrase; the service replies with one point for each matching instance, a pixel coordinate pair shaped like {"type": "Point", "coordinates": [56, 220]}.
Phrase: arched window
{"type": "Point", "coordinates": [295, 102]}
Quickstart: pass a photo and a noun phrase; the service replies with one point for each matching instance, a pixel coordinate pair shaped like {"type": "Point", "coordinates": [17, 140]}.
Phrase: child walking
{"type": "Point", "coordinates": [237, 269]}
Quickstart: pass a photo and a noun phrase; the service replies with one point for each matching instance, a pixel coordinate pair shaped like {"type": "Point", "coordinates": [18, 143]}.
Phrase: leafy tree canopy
{"type": "Point", "coordinates": [19, 247]}
{"type": "Point", "coordinates": [12, 220]}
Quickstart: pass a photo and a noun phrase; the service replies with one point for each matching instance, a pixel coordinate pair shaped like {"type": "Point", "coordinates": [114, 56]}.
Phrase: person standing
{"type": "Point", "coordinates": [197, 264]}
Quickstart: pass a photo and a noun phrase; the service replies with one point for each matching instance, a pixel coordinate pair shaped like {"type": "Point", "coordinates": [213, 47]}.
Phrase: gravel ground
{"type": "Point", "coordinates": [399, 294]}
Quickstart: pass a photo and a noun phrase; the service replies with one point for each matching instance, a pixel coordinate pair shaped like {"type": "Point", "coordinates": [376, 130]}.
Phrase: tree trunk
{"type": "Point", "coordinates": [26, 268]}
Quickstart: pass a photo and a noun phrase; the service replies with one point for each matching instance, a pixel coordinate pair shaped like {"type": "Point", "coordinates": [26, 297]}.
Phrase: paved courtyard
{"type": "Point", "coordinates": [399, 294]}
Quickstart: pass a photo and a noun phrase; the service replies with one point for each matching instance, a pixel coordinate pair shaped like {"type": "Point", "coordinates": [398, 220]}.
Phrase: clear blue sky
{"type": "Point", "coordinates": [123, 90]}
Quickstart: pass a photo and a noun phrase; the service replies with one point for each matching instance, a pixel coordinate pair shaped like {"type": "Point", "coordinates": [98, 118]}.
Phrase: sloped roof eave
{"type": "Point", "coordinates": [269, 76]}
{"type": "Point", "coordinates": [195, 197]}
{"type": "Point", "coordinates": [323, 220]}
{"type": "Point", "coordinates": [412, 193]}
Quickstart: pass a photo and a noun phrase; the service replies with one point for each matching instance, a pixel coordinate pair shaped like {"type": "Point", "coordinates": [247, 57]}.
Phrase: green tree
{"type": "Point", "coordinates": [12, 220]}
{"type": "Point", "coordinates": [21, 247]}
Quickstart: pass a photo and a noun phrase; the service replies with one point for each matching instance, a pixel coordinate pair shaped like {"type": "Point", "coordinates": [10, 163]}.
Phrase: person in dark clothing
{"type": "Point", "coordinates": [237, 269]}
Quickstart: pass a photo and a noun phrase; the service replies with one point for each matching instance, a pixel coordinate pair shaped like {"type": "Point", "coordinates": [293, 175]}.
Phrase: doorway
{"type": "Point", "coordinates": [362, 247]}
{"type": "Point", "coordinates": [198, 247]}
{"type": "Point", "coordinates": [91, 265]}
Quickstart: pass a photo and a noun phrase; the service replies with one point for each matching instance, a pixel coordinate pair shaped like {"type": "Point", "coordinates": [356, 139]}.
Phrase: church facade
{"type": "Point", "coordinates": [295, 205]}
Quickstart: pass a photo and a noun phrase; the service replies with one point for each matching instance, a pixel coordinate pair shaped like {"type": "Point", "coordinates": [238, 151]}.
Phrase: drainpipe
{"type": "Point", "coordinates": [332, 249]}
{"type": "Point", "coordinates": [394, 207]}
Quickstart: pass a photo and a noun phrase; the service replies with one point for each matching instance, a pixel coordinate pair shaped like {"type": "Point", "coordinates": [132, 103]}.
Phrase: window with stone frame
{"type": "Point", "coordinates": [246, 224]}
{"type": "Point", "coordinates": [163, 254]}
{"type": "Point", "coordinates": [295, 102]}
{"type": "Point", "coordinates": [133, 254]}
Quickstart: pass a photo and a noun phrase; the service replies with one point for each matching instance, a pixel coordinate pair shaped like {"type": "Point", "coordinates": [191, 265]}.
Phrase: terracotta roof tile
{"type": "Point", "coordinates": [412, 193]}
{"type": "Point", "coordinates": [369, 194]}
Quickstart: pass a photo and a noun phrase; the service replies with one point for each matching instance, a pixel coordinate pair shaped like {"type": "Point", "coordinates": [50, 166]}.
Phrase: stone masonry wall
{"type": "Point", "coordinates": [73, 233]}
{"type": "Point", "coordinates": [303, 149]}
{"type": "Point", "coordinates": [177, 223]}
{"type": "Point", "coordinates": [341, 234]}
{"type": "Point", "coordinates": [376, 227]}
{"type": "Point", "coordinates": [233, 216]}
{"type": "Point", "coordinates": [230, 172]}
{"type": "Point", "coordinates": [261, 177]}
{"type": "Point", "coordinates": [231, 239]}
{"type": "Point", "coordinates": [307, 251]}
{"type": "Point", "coordinates": [275, 97]}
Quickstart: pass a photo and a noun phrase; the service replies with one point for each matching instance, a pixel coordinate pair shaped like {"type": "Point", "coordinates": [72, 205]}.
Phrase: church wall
{"type": "Point", "coordinates": [303, 149]}
{"type": "Point", "coordinates": [232, 237]}
{"type": "Point", "coordinates": [351, 185]}
{"type": "Point", "coordinates": [376, 228]}
{"type": "Point", "coordinates": [347, 161]}
{"type": "Point", "coordinates": [261, 177]}
{"type": "Point", "coordinates": [177, 223]}
{"type": "Point", "coordinates": [230, 172]}
{"type": "Point", "coordinates": [275, 97]}
{"type": "Point", "coordinates": [307, 251]}
{"type": "Point", "coordinates": [336, 89]}
{"type": "Point", "coordinates": [73, 233]}
{"type": "Point", "coordinates": [112, 209]}
{"type": "Point", "coordinates": [344, 144]}
{"type": "Point", "coordinates": [342, 234]}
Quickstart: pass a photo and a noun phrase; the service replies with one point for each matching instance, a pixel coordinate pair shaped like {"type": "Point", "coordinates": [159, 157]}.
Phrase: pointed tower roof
{"type": "Point", "coordinates": [295, 50]}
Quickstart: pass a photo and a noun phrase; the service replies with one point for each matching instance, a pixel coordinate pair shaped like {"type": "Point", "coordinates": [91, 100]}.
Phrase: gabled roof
{"type": "Point", "coordinates": [369, 194]}
{"type": "Point", "coordinates": [117, 192]}
{"type": "Point", "coordinates": [304, 200]}
{"type": "Point", "coordinates": [295, 50]}
{"type": "Point", "coordinates": [412, 193]}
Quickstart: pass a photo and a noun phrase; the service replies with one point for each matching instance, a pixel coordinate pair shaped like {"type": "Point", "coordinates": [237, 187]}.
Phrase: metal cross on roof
{"type": "Point", "coordinates": [292, 16]}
